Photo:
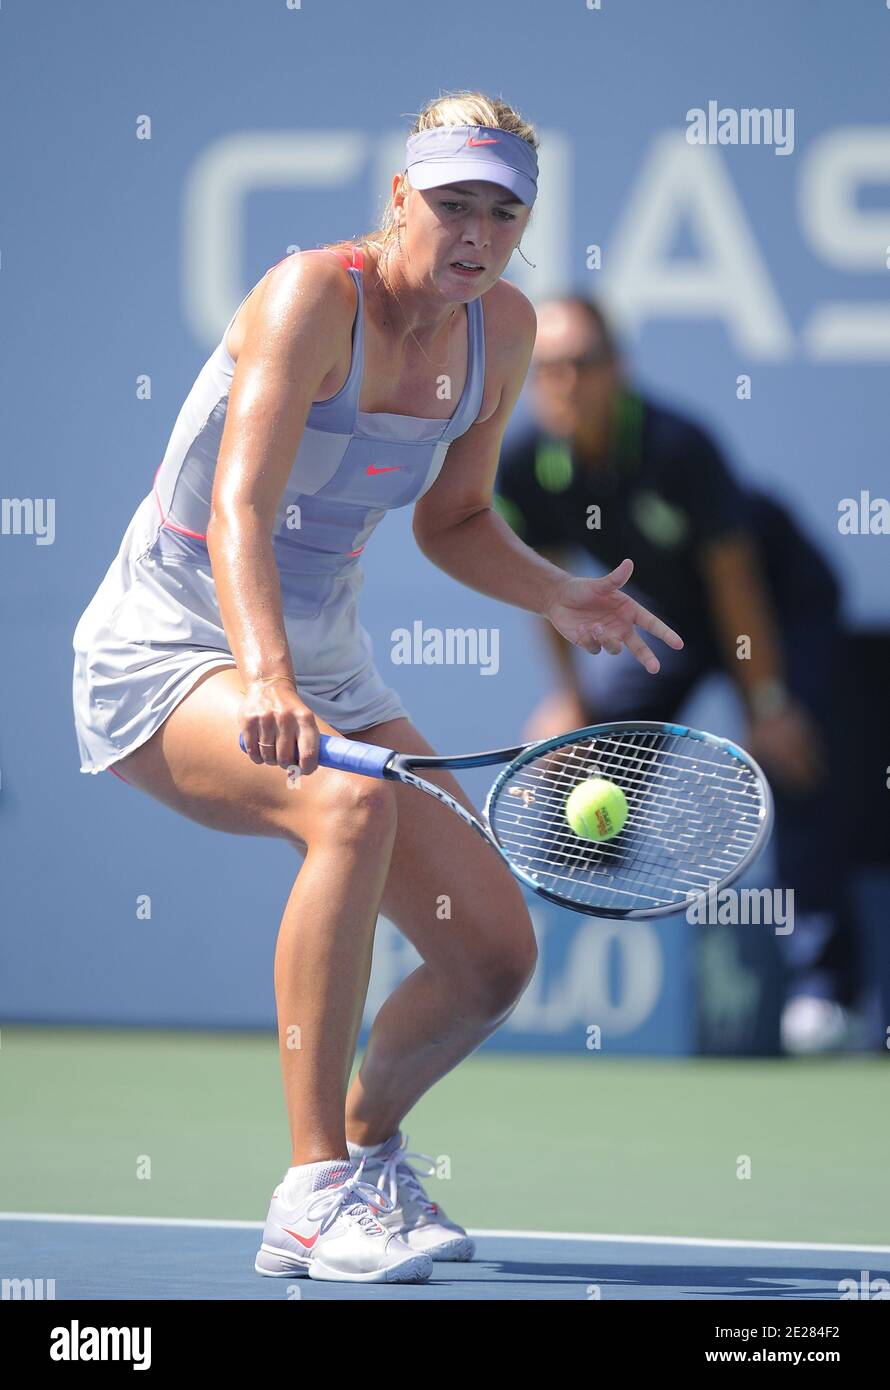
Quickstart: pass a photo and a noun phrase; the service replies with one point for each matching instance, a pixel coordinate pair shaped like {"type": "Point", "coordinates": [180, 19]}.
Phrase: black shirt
{"type": "Point", "coordinates": [663, 493]}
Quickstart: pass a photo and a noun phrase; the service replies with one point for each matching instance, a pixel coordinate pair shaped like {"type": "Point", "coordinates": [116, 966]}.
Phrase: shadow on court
{"type": "Point", "coordinates": [117, 1259]}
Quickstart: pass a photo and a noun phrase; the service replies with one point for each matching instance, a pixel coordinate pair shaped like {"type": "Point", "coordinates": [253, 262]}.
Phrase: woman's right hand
{"type": "Point", "coordinates": [278, 729]}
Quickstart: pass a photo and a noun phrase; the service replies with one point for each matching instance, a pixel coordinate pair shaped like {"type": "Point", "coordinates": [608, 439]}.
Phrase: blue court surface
{"type": "Point", "coordinates": [121, 1258]}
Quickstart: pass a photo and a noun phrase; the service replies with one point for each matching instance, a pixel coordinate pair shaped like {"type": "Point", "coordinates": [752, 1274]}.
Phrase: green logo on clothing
{"type": "Point", "coordinates": [553, 466]}
{"type": "Point", "coordinates": [659, 521]}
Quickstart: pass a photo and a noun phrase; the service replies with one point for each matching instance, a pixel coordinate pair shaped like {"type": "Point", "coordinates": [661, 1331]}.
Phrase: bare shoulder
{"type": "Point", "coordinates": [510, 328]}
{"type": "Point", "coordinates": [313, 283]}
{"type": "Point", "coordinates": [306, 294]}
{"type": "Point", "coordinates": [510, 319]}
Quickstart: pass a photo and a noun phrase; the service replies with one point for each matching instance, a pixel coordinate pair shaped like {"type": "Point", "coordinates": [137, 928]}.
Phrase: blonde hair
{"type": "Point", "coordinates": [452, 108]}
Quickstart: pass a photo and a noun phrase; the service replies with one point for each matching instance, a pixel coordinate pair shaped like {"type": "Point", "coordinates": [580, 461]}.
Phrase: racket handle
{"type": "Point", "coordinates": [347, 755]}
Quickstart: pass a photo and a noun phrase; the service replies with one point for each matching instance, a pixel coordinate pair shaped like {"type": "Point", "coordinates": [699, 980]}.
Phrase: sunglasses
{"type": "Point", "coordinates": [597, 357]}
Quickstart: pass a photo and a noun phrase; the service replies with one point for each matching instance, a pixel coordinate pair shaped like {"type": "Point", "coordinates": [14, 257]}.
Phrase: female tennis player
{"type": "Point", "coordinates": [352, 379]}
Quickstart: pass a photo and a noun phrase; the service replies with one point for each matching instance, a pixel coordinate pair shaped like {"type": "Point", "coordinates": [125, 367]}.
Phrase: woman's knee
{"type": "Point", "coordinates": [503, 963]}
{"type": "Point", "coordinates": [345, 809]}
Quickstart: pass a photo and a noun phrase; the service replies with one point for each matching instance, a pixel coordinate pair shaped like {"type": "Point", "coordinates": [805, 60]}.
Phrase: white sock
{"type": "Point", "coordinates": [309, 1177]}
{"type": "Point", "coordinates": [366, 1150]}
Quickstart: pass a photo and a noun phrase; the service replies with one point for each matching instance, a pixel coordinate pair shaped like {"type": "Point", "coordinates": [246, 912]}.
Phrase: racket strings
{"type": "Point", "coordinates": [694, 814]}
{"type": "Point", "coordinates": [641, 796]}
{"type": "Point", "coordinates": [633, 766]}
{"type": "Point", "coordinates": [549, 786]}
{"type": "Point", "coordinates": [568, 843]}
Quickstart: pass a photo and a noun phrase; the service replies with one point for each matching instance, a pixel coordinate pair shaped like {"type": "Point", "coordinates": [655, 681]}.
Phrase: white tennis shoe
{"type": "Point", "coordinates": [811, 1025]}
{"type": "Point", "coordinates": [420, 1221]}
{"type": "Point", "coordinates": [320, 1224]}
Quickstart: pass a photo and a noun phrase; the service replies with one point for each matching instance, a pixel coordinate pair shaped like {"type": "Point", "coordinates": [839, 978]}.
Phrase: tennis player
{"type": "Point", "coordinates": [353, 379]}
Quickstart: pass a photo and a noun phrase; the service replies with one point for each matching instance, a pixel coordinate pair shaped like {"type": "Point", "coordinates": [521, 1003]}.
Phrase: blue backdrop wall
{"type": "Point", "coordinates": [279, 126]}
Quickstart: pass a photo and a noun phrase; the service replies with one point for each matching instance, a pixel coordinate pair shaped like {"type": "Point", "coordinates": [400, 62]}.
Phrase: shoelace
{"type": "Point", "coordinates": [351, 1198]}
{"type": "Point", "coordinates": [396, 1166]}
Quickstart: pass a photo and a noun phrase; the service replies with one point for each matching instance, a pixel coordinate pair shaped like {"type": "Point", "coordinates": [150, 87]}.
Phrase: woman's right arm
{"type": "Point", "coordinates": [295, 336]}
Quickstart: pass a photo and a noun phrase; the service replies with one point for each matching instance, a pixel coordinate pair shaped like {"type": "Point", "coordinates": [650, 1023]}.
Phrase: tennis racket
{"type": "Point", "coordinates": [699, 812]}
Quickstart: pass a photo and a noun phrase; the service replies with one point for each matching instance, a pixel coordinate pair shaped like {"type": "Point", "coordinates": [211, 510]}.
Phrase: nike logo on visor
{"type": "Point", "coordinates": [387, 468]}
{"type": "Point", "coordinates": [471, 141]}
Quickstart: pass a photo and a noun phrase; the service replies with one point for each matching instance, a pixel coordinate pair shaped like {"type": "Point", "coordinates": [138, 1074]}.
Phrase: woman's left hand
{"type": "Point", "coordinates": [596, 616]}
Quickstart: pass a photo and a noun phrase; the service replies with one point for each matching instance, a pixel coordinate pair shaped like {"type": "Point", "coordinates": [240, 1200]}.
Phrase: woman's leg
{"type": "Point", "coordinates": [346, 827]}
{"type": "Point", "coordinates": [477, 959]}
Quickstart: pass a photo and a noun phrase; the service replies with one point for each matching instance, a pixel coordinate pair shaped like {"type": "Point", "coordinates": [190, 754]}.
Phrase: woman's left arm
{"type": "Point", "coordinates": [456, 526]}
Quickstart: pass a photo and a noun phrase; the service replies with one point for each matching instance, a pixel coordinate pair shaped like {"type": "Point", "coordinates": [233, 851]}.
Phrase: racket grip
{"type": "Point", "coordinates": [347, 755]}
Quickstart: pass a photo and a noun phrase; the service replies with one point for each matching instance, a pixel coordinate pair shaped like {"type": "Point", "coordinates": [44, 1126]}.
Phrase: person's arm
{"type": "Point", "coordinates": [294, 337]}
{"type": "Point", "coordinates": [782, 733]}
{"type": "Point", "coordinates": [567, 705]}
{"type": "Point", "coordinates": [455, 524]}
{"type": "Point", "coordinates": [725, 553]}
{"type": "Point", "coordinates": [561, 651]}
{"type": "Point", "coordinates": [741, 605]}
{"type": "Point", "coordinates": [457, 527]}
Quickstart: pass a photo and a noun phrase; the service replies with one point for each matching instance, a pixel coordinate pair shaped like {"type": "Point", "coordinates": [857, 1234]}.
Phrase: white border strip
{"type": "Point", "coordinates": [130, 1220]}
{"type": "Point", "coordinates": [706, 1241]}
{"type": "Point", "coordinates": [605, 1236]}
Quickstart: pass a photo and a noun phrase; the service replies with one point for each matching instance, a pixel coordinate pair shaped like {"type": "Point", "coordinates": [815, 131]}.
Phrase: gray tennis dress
{"type": "Point", "coordinates": [154, 627]}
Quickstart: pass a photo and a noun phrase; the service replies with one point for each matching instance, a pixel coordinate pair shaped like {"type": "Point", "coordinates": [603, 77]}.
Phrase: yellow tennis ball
{"type": "Point", "coordinates": [596, 809]}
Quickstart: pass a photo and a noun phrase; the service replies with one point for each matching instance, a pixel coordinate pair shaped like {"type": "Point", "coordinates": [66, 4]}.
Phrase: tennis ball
{"type": "Point", "coordinates": [596, 809]}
